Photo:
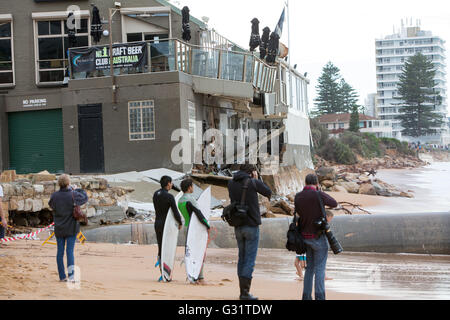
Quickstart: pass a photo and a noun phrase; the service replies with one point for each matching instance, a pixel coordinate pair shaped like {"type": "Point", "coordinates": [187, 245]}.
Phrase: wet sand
{"type": "Point", "coordinates": [28, 271]}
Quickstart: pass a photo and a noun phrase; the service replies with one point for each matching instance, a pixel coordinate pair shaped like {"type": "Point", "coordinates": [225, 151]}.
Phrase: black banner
{"type": "Point", "coordinates": [132, 55]}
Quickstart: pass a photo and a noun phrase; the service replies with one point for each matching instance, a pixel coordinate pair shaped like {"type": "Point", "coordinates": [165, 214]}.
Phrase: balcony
{"type": "Point", "coordinates": [175, 55]}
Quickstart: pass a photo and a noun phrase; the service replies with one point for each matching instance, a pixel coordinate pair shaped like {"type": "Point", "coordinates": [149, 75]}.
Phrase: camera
{"type": "Point", "coordinates": [324, 227]}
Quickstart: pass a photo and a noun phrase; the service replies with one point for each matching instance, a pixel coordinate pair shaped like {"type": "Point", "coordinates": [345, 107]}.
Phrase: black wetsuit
{"type": "Point", "coordinates": [163, 201]}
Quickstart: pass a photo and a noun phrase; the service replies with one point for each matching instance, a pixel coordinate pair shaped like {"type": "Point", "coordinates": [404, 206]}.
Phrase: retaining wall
{"type": "Point", "coordinates": [421, 233]}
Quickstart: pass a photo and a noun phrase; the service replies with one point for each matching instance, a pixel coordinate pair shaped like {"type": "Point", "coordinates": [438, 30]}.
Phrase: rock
{"type": "Point", "coordinates": [327, 183]}
{"type": "Point", "coordinates": [43, 177]}
{"type": "Point", "coordinates": [49, 187]}
{"type": "Point", "coordinates": [90, 212]}
{"type": "Point", "coordinates": [28, 207]}
{"type": "Point", "coordinates": [351, 187]}
{"type": "Point", "coordinates": [94, 185]}
{"type": "Point", "coordinates": [364, 178]}
{"type": "Point", "coordinates": [13, 204]}
{"type": "Point", "coordinates": [103, 184]}
{"type": "Point", "coordinates": [406, 195]}
{"type": "Point", "coordinates": [338, 188]}
{"type": "Point", "coordinates": [277, 210]}
{"type": "Point", "coordinates": [20, 205]}
{"type": "Point", "coordinates": [269, 215]}
{"type": "Point", "coordinates": [8, 189]}
{"type": "Point", "coordinates": [367, 188]}
{"type": "Point", "coordinates": [38, 188]}
{"type": "Point", "coordinates": [8, 176]}
{"type": "Point", "coordinates": [326, 173]}
{"type": "Point", "coordinates": [291, 197]}
{"type": "Point", "coordinates": [37, 205]}
{"type": "Point", "coordinates": [286, 207]}
{"type": "Point", "coordinates": [45, 205]}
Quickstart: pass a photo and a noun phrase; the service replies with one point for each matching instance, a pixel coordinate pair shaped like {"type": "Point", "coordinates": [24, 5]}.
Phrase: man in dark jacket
{"type": "Point", "coordinates": [247, 236]}
{"type": "Point", "coordinates": [307, 206]}
{"type": "Point", "coordinates": [163, 201]}
{"type": "Point", "coordinates": [66, 227]}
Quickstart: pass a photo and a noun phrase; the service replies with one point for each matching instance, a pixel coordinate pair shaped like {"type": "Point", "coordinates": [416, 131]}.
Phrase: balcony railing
{"type": "Point", "coordinates": [175, 55]}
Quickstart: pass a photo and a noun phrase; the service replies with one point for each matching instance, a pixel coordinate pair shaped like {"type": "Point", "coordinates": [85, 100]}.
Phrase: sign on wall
{"type": "Point", "coordinates": [97, 58]}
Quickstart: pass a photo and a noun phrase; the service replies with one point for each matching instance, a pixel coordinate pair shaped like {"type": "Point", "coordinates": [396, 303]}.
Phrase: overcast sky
{"type": "Point", "coordinates": [343, 32]}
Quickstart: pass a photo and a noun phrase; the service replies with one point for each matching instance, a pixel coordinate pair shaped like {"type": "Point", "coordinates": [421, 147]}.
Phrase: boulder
{"type": "Point", "coordinates": [28, 207]}
{"type": "Point", "coordinates": [38, 188]}
{"type": "Point", "coordinates": [364, 178]}
{"type": "Point", "coordinates": [45, 204]}
{"type": "Point", "coordinates": [8, 176]}
{"type": "Point", "coordinates": [91, 212]}
{"type": "Point", "coordinates": [269, 215]}
{"type": "Point", "coordinates": [326, 173]}
{"type": "Point", "coordinates": [367, 188]}
{"type": "Point", "coordinates": [351, 187]}
{"type": "Point", "coordinates": [37, 205]}
{"type": "Point", "coordinates": [406, 195]}
{"type": "Point", "coordinates": [327, 183]}
{"type": "Point", "coordinates": [338, 188]}
{"type": "Point", "coordinates": [42, 177]}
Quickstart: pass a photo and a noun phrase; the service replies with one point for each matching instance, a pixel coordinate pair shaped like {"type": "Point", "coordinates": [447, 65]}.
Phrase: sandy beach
{"type": "Point", "coordinates": [127, 272]}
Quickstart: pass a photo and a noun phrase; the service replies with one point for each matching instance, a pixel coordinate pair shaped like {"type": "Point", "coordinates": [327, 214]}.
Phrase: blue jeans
{"type": "Point", "coordinates": [247, 241]}
{"type": "Point", "coordinates": [61, 242]}
{"type": "Point", "coordinates": [2, 231]}
{"type": "Point", "coordinates": [316, 261]}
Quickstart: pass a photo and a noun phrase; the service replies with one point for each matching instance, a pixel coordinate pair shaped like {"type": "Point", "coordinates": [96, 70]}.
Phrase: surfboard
{"type": "Point", "coordinates": [169, 244]}
{"type": "Point", "coordinates": [197, 238]}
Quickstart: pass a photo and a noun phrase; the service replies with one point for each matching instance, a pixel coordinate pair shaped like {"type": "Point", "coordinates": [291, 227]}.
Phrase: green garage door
{"type": "Point", "coordinates": [36, 141]}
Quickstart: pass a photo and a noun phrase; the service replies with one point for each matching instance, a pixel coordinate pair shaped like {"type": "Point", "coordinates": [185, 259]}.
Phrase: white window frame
{"type": "Point", "coordinates": [142, 132]}
{"type": "Point", "coordinates": [8, 18]}
{"type": "Point", "coordinates": [54, 16]}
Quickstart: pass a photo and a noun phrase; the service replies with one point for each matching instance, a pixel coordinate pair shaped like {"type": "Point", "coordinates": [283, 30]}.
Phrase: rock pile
{"type": "Point", "coordinates": [352, 182]}
{"type": "Point", "coordinates": [30, 194]}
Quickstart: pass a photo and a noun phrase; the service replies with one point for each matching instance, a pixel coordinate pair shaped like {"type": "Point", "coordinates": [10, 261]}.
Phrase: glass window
{"type": "Point", "coordinates": [192, 119]}
{"type": "Point", "coordinates": [6, 54]}
{"type": "Point", "coordinates": [141, 120]}
{"type": "Point", "coordinates": [53, 44]}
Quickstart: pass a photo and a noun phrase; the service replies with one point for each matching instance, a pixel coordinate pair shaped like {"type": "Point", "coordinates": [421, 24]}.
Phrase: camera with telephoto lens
{"type": "Point", "coordinates": [324, 227]}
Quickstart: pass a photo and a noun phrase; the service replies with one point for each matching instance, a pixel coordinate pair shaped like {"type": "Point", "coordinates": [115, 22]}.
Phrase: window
{"type": "Point", "coordinates": [141, 115]}
{"type": "Point", "coordinates": [341, 125]}
{"type": "Point", "coordinates": [52, 44]}
{"type": "Point", "coordinates": [192, 119]}
{"type": "Point", "coordinates": [6, 54]}
{"type": "Point", "coordinates": [140, 36]}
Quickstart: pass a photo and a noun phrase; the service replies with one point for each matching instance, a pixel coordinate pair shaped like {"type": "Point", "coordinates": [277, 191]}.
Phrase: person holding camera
{"type": "Point", "coordinates": [312, 225]}
{"type": "Point", "coordinates": [247, 234]}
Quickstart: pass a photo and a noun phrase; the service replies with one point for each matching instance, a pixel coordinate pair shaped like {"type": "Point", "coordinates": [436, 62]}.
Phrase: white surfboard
{"type": "Point", "coordinates": [169, 243]}
{"type": "Point", "coordinates": [197, 238]}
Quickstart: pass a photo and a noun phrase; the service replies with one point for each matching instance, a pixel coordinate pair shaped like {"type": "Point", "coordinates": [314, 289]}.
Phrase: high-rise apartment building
{"type": "Point", "coordinates": [391, 54]}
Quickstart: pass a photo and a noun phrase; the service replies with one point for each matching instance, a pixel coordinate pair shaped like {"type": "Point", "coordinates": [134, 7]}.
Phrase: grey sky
{"type": "Point", "coordinates": [343, 32]}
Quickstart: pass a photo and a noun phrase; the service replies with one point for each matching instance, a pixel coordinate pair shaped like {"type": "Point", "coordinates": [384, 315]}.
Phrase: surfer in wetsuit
{"type": "Point", "coordinates": [163, 201]}
{"type": "Point", "coordinates": [189, 205]}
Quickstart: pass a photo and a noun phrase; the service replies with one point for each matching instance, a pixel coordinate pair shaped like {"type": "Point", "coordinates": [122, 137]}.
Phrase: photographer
{"type": "Point", "coordinates": [247, 235]}
{"type": "Point", "coordinates": [308, 207]}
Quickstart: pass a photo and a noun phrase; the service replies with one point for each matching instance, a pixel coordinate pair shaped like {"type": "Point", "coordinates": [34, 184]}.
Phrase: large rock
{"type": "Point", "coordinates": [327, 183]}
{"type": "Point", "coordinates": [338, 188]}
{"type": "Point", "coordinates": [8, 176]}
{"type": "Point", "coordinates": [41, 177]}
{"type": "Point", "coordinates": [326, 173]}
{"type": "Point", "coordinates": [367, 188]}
{"type": "Point", "coordinates": [351, 187]}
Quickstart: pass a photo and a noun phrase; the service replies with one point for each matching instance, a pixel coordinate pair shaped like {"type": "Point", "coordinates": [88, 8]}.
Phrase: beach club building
{"type": "Point", "coordinates": [63, 110]}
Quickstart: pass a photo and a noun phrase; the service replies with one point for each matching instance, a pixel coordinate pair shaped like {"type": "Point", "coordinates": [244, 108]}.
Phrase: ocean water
{"type": "Point", "coordinates": [430, 186]}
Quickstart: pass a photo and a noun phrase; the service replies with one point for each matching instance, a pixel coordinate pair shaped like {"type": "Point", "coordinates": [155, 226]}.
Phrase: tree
{"type": "Point", "coordinates": [418, 97]}
{"type": "Point", "coordinates": [348, 97]}
{"type": "Point", "coordinates": [354, 119]}
{"type": "Point", "coordinates": [328, 91]}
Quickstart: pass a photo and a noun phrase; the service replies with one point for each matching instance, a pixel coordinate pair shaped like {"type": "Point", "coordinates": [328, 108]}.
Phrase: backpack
{"type": "Point", "coordinates": [236, 214]}
{"type": "Point", "coordinates": [295, 239]}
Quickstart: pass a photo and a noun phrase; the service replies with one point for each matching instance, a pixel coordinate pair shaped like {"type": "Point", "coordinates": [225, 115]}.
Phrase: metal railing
{"type": "Point", "coordinates": [175, 55]}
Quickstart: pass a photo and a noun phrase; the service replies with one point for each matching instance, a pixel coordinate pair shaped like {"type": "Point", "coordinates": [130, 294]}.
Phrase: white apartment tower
{"type": "Point", "coordinates": [391, 54]}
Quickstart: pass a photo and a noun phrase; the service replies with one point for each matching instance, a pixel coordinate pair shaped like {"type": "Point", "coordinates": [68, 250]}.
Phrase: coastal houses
{"type": "Point", "coordinates": [64, 107]}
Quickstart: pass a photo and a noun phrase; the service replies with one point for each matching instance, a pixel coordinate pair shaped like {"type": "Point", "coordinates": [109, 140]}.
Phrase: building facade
{"type": "Point", "coordinates": [55, 116]}
{"type": "Point", "coordinates": [391, 54]}
{"type": "Point", "coordinates": [340, 122]}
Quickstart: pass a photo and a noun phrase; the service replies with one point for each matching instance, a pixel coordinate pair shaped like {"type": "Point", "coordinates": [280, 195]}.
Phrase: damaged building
{"type": "Point", "coordinates": [63, 110]}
